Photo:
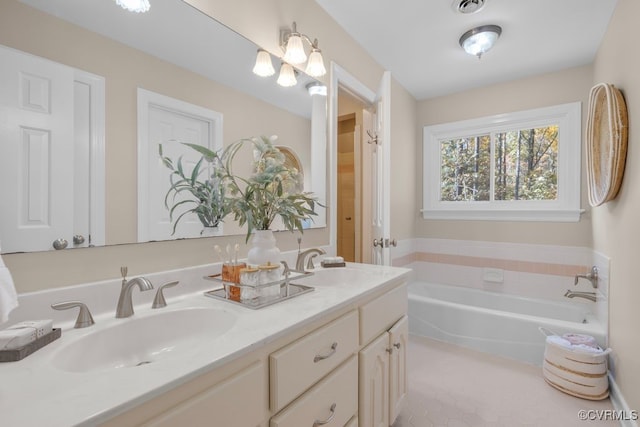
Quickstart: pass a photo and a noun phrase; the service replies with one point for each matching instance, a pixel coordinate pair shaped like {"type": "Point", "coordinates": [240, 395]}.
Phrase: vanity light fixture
{"type": "Point", "coordinates": [287, 77]}
{"type": "Point", "coordinates": [293, 44]}
{"type": "Point", "coordinates": [480, 40]}
{"type": "Point", "coordinates": [264, 66]}
{"type": "Point", "coordinates": [134, 5]}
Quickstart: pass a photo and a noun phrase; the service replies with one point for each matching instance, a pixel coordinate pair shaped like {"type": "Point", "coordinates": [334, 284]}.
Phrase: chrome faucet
{"type": "Point", "coordinates": [591, 276]}
{"type": "Point", "coordinates": [125, 305]}
{"type": "Point", "coordinates": [302, 257]}
{"type": "Point", "coordinates": [591, 296]}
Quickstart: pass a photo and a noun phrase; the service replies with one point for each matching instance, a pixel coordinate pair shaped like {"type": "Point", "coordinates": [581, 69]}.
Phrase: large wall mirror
{"type": "Point", "coordinates": [121, 75]}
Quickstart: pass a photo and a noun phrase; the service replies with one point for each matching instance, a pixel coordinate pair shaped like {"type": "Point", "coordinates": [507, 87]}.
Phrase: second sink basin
{"type": "Point", "coordinates": [138, 341]}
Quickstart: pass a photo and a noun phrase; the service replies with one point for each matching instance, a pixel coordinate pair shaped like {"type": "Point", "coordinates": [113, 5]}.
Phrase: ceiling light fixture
{"type": "Point", "coordinates": [480, 40]}
{"type": "Point", "coordinates": [316, 88]}
{"type": "Point", "coordinates": [293, 44]}
{"type": "Point", "coordinates": [134, 5]}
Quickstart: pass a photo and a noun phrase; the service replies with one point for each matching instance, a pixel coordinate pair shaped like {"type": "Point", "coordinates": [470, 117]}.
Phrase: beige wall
{"type": "Point", "coordinates": [541, 91]}
{"type": "Point", "coordinates": [615, 224]}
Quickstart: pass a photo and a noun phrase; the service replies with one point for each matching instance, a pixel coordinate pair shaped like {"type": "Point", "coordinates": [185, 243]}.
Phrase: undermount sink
{"type": "Point", "coordinates": [139, 341]}
{"type": "Point", "coordinates": [337, 276]}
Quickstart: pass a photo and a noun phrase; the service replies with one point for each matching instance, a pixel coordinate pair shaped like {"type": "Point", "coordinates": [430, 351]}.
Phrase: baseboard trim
{"type": "Point", "coordinates": [619, 404]}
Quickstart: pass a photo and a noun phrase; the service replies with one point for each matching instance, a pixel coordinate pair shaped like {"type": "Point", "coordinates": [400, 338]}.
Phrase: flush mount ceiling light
{"type": "Point", "coordinates": [316, 88]}
{"type": "Point", "coordinates": [480, 40]}
{"type": "Point", "coordinates": [134, 5]}
{"type": "Point", "coordinates": [293, 44]}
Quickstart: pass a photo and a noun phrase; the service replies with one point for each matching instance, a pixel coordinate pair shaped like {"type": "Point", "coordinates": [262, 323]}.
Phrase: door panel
{"type": "Point", "coordinates": [374, 384]}
{"type": "Point", "coordinates": [170, 122]}
{"type": "Point", "coordinates": [398, 342]}
{"type": "Point", "coordinates": [36, 151]}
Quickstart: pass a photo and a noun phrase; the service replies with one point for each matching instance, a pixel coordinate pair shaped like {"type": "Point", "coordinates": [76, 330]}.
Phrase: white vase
{"type": "Point", "coordinates": [263, 248]}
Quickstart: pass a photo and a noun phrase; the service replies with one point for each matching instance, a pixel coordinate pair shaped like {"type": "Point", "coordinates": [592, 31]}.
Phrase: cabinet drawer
{"type": "Point", "coordinates": [296, 367]}
{"type": "Point", "coordinates": [381, 313]}
{"type": "Point", "coordinates": [334, 398]}
{"type": "Point", "coordinates": [239, 401]}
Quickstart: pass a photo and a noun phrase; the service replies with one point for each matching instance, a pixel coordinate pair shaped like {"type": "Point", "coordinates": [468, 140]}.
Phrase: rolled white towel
{"type": "Point", "coordinates": [581, 339]}
{"type": "Point", "coordinates": [588, 348]}
{"type": "Point", "coordinates": [555, 339]}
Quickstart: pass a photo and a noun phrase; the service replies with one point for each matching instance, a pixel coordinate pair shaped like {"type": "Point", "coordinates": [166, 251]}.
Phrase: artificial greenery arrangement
{"type": "Point", "coordinates": [208, 197]}
{"type": "Point", "coordinates": [271, 191]}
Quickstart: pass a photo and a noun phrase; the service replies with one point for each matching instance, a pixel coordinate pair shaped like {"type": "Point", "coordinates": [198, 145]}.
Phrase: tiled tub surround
{"type": "Point", "coordinates": [33, 392]}
{"type": "Point", "coordinates": [533, 271]}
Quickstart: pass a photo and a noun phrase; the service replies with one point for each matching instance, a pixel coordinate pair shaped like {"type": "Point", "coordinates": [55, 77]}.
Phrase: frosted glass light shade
{"type": "Point", "coordinates": [294, 53]}
{"type": "Point", "coordinates": [134, 5]}
{"type": "Point", "coordinates": [287, 77]}
{"type": "Point", "coordinates": [264, 66]}
{"type": "Point", "coordinates": [480, 40]}
{"type": "Point", "coordinates": [315, 66]}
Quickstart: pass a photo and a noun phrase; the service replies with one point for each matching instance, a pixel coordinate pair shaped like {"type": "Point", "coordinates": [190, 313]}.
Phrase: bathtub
{"type": "Point", "coordinates": [496, 323]}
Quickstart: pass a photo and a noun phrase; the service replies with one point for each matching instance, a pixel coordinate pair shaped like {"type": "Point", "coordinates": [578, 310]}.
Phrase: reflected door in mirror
{"type": "Point", "coordinates": [43, 160]}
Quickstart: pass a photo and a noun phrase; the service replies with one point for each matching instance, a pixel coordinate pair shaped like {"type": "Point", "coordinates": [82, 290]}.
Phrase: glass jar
{"type": "Point", "coordinates": [249, 279]}
{"type": "Point", "coordinates": [270, 275]}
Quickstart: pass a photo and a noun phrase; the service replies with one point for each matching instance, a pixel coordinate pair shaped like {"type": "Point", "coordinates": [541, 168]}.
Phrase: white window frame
{"type": "Point", "coordinates": [566, 208]}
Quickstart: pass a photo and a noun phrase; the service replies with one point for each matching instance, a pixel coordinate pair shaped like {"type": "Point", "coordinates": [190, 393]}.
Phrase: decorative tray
{"type": "Point", "coordinates": [261, 295]}
{"type": "Point", "coordinates": [16, 354]}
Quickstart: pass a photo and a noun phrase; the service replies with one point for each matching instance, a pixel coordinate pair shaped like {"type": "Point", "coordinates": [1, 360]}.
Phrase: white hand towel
{"type": "Point", "coordinates": [8, 295]}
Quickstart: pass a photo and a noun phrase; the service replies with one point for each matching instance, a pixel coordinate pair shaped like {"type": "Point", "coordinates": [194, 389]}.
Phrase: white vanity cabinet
{"type": "Point", "coordinates": [383, 362]}
{"type": "Point", "coordinates": [346, 368]}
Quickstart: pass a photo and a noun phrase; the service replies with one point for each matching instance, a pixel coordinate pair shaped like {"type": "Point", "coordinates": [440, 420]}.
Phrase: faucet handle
{"type": "Point", "coordinates": [159, 301]}
{"type": "Point", "coordinates": [84, 316]}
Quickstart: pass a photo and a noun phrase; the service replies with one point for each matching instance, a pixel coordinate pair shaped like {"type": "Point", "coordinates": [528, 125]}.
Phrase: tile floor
{"type": "Point", "coordinates": [453, 386]}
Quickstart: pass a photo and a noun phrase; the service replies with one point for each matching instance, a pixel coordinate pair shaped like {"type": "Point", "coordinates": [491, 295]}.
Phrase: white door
{"type": "Point", "coordinates": [398, 341]}
{"type": "Point", "coordinates": [36, 151]}
{"type": "Point", "coordinates": [170, 122]}
{"type": "Point", "coordinates": [373, 409]}
{"type": "Point", "coordinates": [380, 159]}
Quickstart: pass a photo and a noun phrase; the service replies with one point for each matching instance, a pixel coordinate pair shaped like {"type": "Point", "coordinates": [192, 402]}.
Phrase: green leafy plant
{"type": "Point", "coordinates": [206, 198]}
{"type": "Point", "coordinates": [271, 191]}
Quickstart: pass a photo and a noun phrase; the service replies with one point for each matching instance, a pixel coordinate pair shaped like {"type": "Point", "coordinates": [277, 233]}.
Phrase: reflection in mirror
{"type": "Point", "coordinates": [173, 51]}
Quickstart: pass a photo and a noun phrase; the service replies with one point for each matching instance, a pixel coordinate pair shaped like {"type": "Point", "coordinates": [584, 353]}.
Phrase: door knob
{"type": "Point", "coordinates": [60, 244]}
{"type": "Point", "coordinates": [377, 243]}
{"type": "Point", "coordinates": [78, 239]}
{"type": "Point", "coordinates": [392, 242]}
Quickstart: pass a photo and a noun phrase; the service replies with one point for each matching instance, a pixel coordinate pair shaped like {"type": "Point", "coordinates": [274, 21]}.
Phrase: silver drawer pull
{"type": "Point", "coordinates": [328, 420]}
{"type": "Point", "coordinates": [397, 345]}
{"type": "Point", "coordinates": [326, 356]}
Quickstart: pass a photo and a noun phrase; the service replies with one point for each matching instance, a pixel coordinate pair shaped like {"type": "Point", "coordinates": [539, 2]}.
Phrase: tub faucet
{"type": "Point", "coordinates": [302, 257]}
{"type": "Point", "coordinates": [125, 305]}
{"type": "Point", "coordinates": [591, 296]}
{"type": "Point", "coordinates": [591, 276]}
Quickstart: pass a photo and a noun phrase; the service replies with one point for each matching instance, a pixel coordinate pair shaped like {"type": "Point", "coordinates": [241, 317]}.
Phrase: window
{"type": "Point", "coordinates": [517, 166]}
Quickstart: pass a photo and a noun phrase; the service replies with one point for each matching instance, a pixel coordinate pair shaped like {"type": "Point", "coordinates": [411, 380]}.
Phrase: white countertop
{"type": "Point", "coordinates": [33, 392]}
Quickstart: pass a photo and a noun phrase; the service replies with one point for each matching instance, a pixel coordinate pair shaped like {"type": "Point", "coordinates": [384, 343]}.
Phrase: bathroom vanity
{"type": "Point", "coordinates": [335, 356]}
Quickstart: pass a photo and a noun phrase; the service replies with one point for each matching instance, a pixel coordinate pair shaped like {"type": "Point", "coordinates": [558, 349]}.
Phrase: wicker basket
{"type": "Point", "coordinates": [576, 372]}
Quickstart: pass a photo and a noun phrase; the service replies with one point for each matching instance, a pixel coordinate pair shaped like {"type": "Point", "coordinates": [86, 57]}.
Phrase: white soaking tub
{"type": "Point", "coordinates": [495, 323]}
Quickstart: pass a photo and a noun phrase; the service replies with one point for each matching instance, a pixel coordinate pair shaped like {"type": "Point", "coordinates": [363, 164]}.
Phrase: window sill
{"type": "Point", "coordinates": [570, 215]}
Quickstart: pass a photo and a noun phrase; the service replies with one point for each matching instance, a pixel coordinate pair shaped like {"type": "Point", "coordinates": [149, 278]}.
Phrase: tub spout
{"type": "Point", "coordinates": [591, 296]}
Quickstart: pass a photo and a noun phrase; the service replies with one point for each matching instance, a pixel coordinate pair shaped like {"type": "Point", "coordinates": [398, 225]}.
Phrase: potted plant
{"type": "Point", "coordinates": [205, 198]}
{"type": "Point", "coordinates": [273, 190]}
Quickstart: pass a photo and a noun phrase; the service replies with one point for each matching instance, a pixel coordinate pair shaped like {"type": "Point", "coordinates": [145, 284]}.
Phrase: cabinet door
{"type": "Point", "coordinates": [374, 383]}
{"type": "Point", "coordinates": [240, 401]}
{"type": "Point", "coordinates": [398, 341]}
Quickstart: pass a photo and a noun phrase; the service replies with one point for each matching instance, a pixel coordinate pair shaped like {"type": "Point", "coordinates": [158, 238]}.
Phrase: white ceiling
{"type": "Point", "coordinates": [417, 40]}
